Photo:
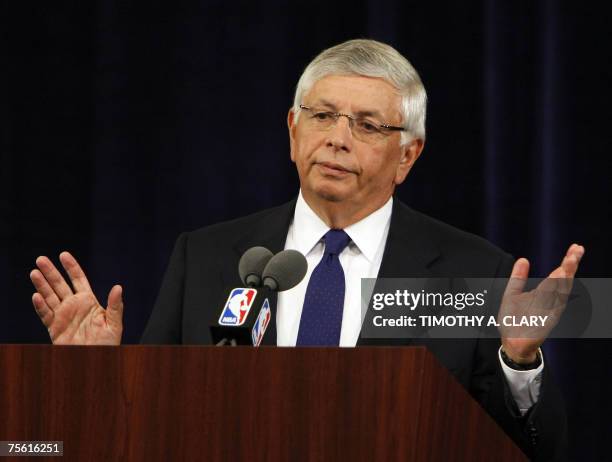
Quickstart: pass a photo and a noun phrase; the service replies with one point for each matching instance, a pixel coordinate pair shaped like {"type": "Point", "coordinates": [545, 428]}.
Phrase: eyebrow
{"type": "Point", "coordinates": [364, 113]}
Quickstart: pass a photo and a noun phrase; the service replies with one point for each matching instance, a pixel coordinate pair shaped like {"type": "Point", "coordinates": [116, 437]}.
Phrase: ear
{"type": "Point", "coordinates": [409, 155]}
{"type": "Point", "coordinates": [292, 125]}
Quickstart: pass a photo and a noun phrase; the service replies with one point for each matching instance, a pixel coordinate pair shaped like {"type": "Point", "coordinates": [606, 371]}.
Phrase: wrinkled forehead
{"type": "Point", "coordinates": [357, 95]}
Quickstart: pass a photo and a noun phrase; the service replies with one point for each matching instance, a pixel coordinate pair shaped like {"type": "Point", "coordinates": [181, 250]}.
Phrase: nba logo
{"type": "Point", "coordinates": [259, 329]}
{"type": "Point", "coordinates": [237, 307]}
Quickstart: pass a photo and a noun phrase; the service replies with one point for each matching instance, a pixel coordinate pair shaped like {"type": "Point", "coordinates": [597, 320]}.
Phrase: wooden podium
{"type": "Point", "coordinates": [244, 404]}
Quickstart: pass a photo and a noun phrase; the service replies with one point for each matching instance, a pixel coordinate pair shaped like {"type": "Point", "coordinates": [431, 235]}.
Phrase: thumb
{"type": "Point", "coordinates": [518, 278]}
{"type": "Point", "coordinates": [114, 310]}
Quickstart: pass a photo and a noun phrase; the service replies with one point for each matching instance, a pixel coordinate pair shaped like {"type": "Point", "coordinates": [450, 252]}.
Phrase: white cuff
{"type": "Point", "coordinates": [524, 385]}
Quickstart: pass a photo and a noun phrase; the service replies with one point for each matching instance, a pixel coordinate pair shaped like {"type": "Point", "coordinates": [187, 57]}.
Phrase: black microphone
{"type": "Point", "coordinates": [252, 264]}
{"type": "Point", "coordinates": [284, 270]}
{"type": "Point", "coordinates": [247, 312]}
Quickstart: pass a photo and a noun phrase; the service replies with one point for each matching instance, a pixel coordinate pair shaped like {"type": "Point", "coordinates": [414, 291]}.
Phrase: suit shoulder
{"type": "Point", "coordinates": [459, 249]}
{"type": "Point", "coordinates": [235, 229]}
{"type": "Point", "coordinates": [450, 236]}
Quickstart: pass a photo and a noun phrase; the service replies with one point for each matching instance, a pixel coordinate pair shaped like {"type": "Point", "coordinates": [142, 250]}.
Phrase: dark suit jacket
{"type": "Point", "coordinates": [204, 266]}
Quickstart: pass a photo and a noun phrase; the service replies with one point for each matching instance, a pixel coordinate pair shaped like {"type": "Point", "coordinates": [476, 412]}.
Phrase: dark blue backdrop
{"type": "Point", "coordinates": [123, 124]}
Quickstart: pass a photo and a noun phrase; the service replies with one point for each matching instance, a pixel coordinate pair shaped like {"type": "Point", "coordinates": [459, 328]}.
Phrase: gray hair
{"type": "Point", "coordinates": [370, 58]}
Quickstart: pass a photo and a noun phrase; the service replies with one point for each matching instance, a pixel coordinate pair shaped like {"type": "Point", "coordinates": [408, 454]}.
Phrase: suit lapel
{"type": "Point", "coordinates": [409, 252]}
{"type": "Point", "coordinates": [270, 232]}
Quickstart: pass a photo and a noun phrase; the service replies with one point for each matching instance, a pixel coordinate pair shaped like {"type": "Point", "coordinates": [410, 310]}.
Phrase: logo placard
{"type": "Point", "coordinates": [237, 307]}
{"type": "Point", "coordinates": [259, 329]}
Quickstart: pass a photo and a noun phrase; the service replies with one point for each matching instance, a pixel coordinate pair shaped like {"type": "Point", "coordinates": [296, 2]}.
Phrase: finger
{"type": "Point", "coordinates": [42, 309]}
{"type": "Point", "coordinates": [564, 274]}
{"type": "Point", "coordinates": [572, 260]}
{"type": "Point", "coordinates": [54, 278]}
{"type": "Point", "coordinates": [518, 278]}
{"type": "Point", "coordinates": [114, 310]}
{"type": "Point", "coordinates": [569, 264]}
{"type": "Point", "coordinates": [44, 289]}
{"type": "Point", "coordinates": [576, 249]}
{"type": "Point", "coordinates": [76, 274]}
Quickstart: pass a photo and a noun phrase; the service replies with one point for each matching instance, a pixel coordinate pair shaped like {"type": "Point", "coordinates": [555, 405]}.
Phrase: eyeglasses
{"type": "Point", "coordinates": [363, 128]}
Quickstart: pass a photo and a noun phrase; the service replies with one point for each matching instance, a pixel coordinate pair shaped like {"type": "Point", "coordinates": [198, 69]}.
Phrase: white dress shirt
{"type": "Point", "coordinates": [361, 259]}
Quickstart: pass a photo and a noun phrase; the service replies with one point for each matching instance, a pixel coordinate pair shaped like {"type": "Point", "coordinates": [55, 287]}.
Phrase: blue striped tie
{"type": "Point", "coordinates": [321, 319]}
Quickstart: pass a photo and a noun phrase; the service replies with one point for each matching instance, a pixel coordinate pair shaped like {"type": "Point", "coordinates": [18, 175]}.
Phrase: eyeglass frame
{"type": "Point", "coordinates": [352, 119]}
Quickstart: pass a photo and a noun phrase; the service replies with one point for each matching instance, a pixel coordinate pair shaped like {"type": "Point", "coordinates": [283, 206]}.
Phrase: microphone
{"type": "Point", "coordinates": [285, 270]}
{"type": "Point", "coordinates": [252, 264]}
{"type": "Point", "coordinates": [247, 312]}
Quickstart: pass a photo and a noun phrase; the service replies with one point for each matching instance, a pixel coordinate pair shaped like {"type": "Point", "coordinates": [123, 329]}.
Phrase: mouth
{"type": "Point", "coordinates": [333, 169]}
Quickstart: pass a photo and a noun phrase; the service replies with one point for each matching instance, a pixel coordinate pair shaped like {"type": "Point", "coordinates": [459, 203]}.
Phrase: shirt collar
{"type": "Point", "coordinates": [369, 231]}
{"type": "Point", "coordinates": [366, 234]}
{"type": "Point", "coordinates": [308, 228]}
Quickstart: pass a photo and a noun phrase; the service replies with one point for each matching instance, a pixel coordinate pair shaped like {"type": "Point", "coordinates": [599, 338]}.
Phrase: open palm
{"type": "Point", "coordinates": [73, 316]}
{"type": "Point", "coordinates": [548, 299]}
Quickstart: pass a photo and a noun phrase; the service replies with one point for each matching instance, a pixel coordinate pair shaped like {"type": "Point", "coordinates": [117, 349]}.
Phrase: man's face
{"type": "Point", "coordinates": [335, 166]}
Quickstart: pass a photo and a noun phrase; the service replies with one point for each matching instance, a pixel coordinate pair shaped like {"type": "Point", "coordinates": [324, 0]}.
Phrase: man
{"type": "Point", "coordinates": [356, 128]}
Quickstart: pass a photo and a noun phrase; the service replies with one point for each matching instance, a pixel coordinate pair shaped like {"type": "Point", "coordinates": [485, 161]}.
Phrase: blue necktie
{"type": "Point", "coordinates": [321, 319]}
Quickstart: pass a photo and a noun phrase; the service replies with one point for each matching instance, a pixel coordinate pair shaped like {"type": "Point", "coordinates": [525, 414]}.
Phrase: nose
{"type": "Point", "coordinates": [340, 136]}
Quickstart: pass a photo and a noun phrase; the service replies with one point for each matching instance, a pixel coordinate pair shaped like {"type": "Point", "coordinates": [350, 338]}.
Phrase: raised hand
{"type": "Point", "coordinates": [73, 315]}
{"type": "Point", "coordinates": [549, 298]}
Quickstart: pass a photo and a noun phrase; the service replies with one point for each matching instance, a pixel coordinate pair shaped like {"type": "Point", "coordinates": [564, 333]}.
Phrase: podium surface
{"type": "Point", "coordinates": [242, 403]}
